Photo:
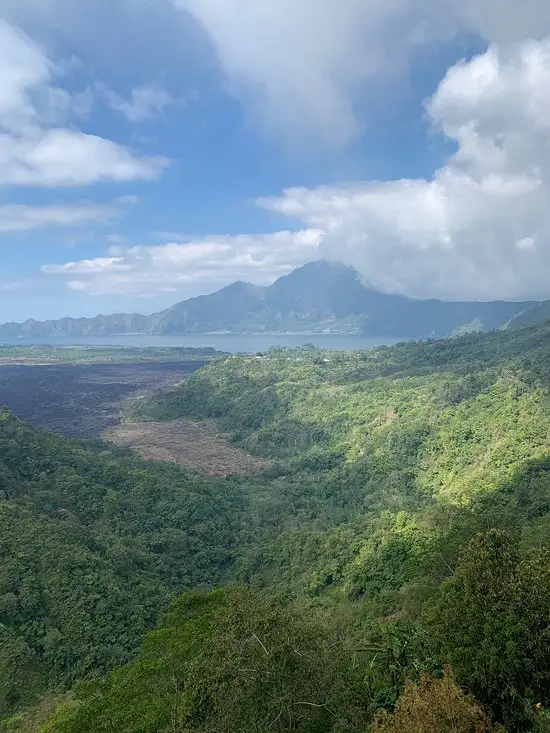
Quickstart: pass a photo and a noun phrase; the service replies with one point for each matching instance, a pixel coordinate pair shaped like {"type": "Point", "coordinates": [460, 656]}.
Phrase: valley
{"type": "Point", "coordinates": [353, 530]}
{"type": "Point", "coordinates": [89, 397]}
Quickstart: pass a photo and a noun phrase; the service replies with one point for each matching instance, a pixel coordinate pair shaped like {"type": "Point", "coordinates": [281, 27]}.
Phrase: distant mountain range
{"type": "Point", "coordinates": [320, 297]}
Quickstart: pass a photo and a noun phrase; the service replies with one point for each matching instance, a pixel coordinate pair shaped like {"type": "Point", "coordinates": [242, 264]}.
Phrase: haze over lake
{"type": "Point", "coordinates": [223, 342]}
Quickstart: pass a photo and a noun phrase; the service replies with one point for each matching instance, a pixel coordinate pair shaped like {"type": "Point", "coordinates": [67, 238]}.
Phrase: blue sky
{"type": "Point", "coordinates": [153, 150]}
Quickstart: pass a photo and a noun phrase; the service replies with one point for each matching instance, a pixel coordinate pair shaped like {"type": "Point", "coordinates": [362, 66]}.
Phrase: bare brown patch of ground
{"type": "Point", "coordinates": [192, 445]}
{"type": "Point", "coordinates": [390, 416]}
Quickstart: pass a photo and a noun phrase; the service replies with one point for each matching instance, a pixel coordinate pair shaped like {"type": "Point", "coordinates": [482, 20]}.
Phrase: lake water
{"type": "Point", "coordinates": [223, 342]}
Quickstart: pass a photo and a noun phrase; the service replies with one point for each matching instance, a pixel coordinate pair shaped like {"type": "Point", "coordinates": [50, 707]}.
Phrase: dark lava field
{"type": "Point", "coordinates": [83, 400]}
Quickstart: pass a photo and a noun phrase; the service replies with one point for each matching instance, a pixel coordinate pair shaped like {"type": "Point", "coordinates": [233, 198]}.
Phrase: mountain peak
{"type": "Point", "coordinates": [323, 268]}
{"type": "Point", "coordinates": [239, 286]}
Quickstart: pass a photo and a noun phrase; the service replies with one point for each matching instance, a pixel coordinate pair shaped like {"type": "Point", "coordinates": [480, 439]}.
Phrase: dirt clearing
{"type": "Point", "coordinates": [192, 445]}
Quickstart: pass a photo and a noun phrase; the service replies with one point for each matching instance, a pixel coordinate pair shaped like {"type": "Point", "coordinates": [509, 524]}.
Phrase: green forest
{"type": "Point", "coordinates": [389, 571]}
{"type": "Point", "coordinates": [102, 354]}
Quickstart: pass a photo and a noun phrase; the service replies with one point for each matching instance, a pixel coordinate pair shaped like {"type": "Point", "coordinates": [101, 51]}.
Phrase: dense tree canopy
{"type": "Point", "coordinates": [94, 543]}
{"type": "Point", "coordinates": [230, 658]}
{"type": "Point", "coordinates": [402, 529]}
{"type": "Point", "coordinates": [491, 622]}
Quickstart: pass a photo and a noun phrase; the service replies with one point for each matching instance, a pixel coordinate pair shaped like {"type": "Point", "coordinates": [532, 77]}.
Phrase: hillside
{"type": "Point", "coordinates": [449, 420]}
{"type": "Point", "coordinates": [530, 316]}
{"type": "Point", "coordinates": [402, 526]}
{"type": "Point", "coordinates": [94, 544]}
{"type": "Point", "coordinates": [317, 297]}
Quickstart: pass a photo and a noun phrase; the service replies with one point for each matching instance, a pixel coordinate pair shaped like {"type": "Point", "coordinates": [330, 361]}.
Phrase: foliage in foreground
{"type": "Point", "coordinates": [435, 706]}
{"type": "Point", "coordinates": [490, 621]}
{"type": "Point", "coordinates": [230, 658]}
{"type": "Point", "coordinates": [235, 655]}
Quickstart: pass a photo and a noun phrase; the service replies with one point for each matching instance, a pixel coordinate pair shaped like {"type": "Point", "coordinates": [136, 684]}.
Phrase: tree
{"type": "Point", "coordinates": [490, 623]}
{"type": "Point", "coordinates": [435, 706]}
{"type": "Point", "coordinates": [20, 671]}
{"type": "Point", "coordinates": [225, 661]}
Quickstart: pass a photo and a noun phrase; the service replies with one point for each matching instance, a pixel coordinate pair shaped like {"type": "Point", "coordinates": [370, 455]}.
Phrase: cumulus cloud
{"type": "Point", "coordinates": [305, 68]}
{"type": "Point", "coordinates": [21, 217]}
{"type": "Point", "coordinates": [480, 228]}
{"type": "Point", "coordinates": [302, 66]}
{"type": "Point", "coordinates": [190, 268]}
{"type": "Point", "coordinates": [34, 149]}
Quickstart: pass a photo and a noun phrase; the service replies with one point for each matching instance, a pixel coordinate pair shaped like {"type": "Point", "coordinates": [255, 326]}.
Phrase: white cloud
{"type": "Point", "coordinates": [22, 68]}
{"type": "Point", "coordinates": [63, 157]}
{"type": "Point", "coordinates": [34, 149]}
{"type": "Point", "coordinates": [95, 266]}
{"type": "Point", "coordinates": [301, 64]}
{"type": "Point", "coordinates": [190, 268]}
{"type": "Point", "coordinates": [146, 102]}
{"type": "Point", "coordinates": [305, 68]}
{"type": "Point", "coordinates": [480, 229]}
{"type": "Point", "coordinates": [21, 217]}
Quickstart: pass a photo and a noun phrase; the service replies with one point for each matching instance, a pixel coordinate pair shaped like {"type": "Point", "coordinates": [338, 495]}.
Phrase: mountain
{"type": "Point", "coordinates": [536, 313]}
{"type": "Point", "coordinates": [220, 311]}
{"type": "Point", "coordinates": [98, 326]}
{"type": "Point", "coordinates": [318, 297]}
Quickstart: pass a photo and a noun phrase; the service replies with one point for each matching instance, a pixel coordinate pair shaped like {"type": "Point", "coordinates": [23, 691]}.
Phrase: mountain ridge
{"type": "Point", "coordinates": [319, 297]}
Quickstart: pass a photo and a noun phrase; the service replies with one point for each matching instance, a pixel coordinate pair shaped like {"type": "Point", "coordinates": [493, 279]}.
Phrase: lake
{"type": "Point", "coordinates": [231, 343]}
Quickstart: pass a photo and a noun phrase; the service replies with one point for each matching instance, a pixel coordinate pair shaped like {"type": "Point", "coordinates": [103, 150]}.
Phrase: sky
{"type": "Point", "coordinates": [154, 150]}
